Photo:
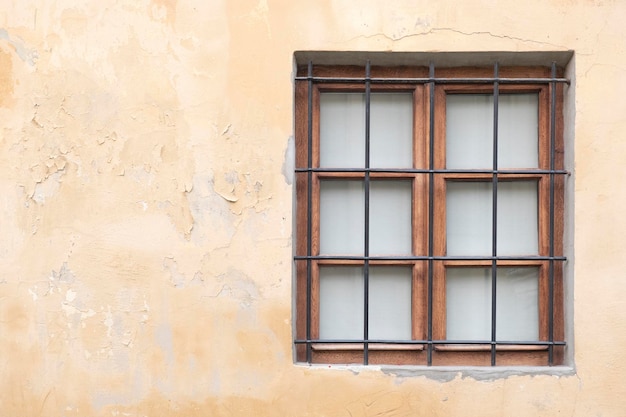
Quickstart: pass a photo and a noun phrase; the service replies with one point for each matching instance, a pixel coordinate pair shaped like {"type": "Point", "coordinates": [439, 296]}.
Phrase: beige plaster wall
{"type": "Point", "coordinates": [146, 206]}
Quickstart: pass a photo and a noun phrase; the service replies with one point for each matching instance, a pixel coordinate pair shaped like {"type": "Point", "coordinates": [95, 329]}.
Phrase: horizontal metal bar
{"type": "Point", "coordinates": [433, 171]}
{"type": "Point", "coordinates": [434, 342]}
{"type": "Point", "coordinates": [396, 80]}
{"type": "Point", "coordinates": [426, 258]}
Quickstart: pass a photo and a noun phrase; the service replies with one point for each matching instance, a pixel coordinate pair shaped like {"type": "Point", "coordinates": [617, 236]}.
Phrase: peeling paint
{"type": "Point", "coordinates": [47, 188]}
{"type": "Point", "coordinates": [289, 162]}
{"type": "Point", "coordinates": [27, 55]}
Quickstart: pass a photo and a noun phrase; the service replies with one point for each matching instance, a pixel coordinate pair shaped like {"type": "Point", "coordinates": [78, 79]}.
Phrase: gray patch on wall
{"type": "Point", "coordinates": [446, 374]}
{"type": "Point", "coordinates": [27, 55]}
{"type": "Point", "coordinates": [289, 162]}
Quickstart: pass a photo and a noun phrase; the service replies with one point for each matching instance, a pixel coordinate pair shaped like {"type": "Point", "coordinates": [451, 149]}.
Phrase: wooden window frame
{"type": "Point", "coordinates": [428, 324]}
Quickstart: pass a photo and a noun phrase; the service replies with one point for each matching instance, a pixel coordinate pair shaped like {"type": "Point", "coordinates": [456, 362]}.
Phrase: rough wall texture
{"type": "Point", "coordinates": [146, 205]}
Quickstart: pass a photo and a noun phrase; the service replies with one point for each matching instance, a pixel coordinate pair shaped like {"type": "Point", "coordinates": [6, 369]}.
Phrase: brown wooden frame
{"type": "Point", "coordinates": [442, 354]}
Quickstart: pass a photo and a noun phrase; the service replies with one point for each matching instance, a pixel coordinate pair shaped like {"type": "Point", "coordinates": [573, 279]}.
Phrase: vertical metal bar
{"type": "Point", "coordinates": [309, 209]}
{"type": "Point", "coordinates": [431, 210]}
{"type": "Point", "coordinates": [551, 216]}
{"type": "Point", "coordinates": [366, 245]}
{"type": "Point", "coordinates": [494, 217]}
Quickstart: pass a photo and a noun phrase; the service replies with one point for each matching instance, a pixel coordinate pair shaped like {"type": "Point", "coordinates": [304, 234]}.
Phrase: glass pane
{"type": "Point", "coordinates": [518, 225]}
{"type": "Point", "coordinates": [469, 218]}
{"type": "Point", "coordinates": [469, 131]}
{"type": "Point", "coordinates": [342, 214]}
{"type": "Point", "coordinates": [468, 304]}
{"type": "Point", "coordinates": [518, 304]}
{"type": "Point", "coordinates": [342, 130]}
{"type": "Point", "coordinates": [341, 302]}
{"type": "Point", "coordinates": [391, 130]}
{"type": "Point", "coordinates": [390, 217]}
{"type": "Point", "coordinates": [518, 131]}
{"type": "Point", "coordinates": [390, 303]}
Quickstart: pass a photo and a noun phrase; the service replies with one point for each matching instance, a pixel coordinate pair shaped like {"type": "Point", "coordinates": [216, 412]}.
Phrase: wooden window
{"type": "Point", "coordinates": [429, 211]}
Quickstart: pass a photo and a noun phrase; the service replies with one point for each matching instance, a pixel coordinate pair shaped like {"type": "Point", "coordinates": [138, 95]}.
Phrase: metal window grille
{"type": "Point", "coordinates": [430, 82]}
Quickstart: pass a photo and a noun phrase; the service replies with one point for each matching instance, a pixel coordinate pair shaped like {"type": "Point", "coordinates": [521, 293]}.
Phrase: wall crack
{"type": "Point", "coordinates": [447, 29]}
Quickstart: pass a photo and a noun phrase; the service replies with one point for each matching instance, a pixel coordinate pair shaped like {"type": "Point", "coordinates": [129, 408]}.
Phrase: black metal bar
{"type": "Point", "coordinates": [434, 342]}
{"type": "Point", "coordinates": [436, 171]}
{"type": "Point", "coordinates": [431, 258]}
{"type": "Point", "coordinates": [366, 250]}
{"type": "Point", "coordinates": [309, 210]}
{"type": "Point", "coordinates": [494, 218]}
{"type": "Point", "coordinates": [551, 217]}
{"type": "Point", "coordinates": [409, 80]}
{"type": "Point", "coordinates": [431, 211]}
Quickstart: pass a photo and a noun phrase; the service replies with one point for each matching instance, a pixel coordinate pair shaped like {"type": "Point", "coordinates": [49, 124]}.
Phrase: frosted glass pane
{"type": "Point", "coordinates": [341, 217]}
{"type": "Point", "coordinates": [469, 131]}
{"type": "Point", "coordinates": [518, 226]}
{"type": "Point", "coordinates": [468, 304]}
{"type": "Point", "coordinates": [391, 130]}
{"type": "Point", "coordinates": [469, 218]}
{"type": "Point", "coordinates": [341, 303]}
{"type": "Point", "coordinates": [342, 130]}
{"type": "Point", "coordinates": [390, 303]}
{"type": "Point", "coordinates": [390, 217]}
{"type": "Point", "coordinates": [517, 306]}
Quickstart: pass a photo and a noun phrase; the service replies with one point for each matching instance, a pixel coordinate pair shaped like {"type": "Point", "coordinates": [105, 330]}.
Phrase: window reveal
{"type": "Point", "coordinates": [429, 216]}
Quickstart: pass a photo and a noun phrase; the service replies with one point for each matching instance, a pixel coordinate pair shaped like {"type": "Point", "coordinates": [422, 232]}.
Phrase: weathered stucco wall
{"type": "Point", "coordinates": [146, 206]}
